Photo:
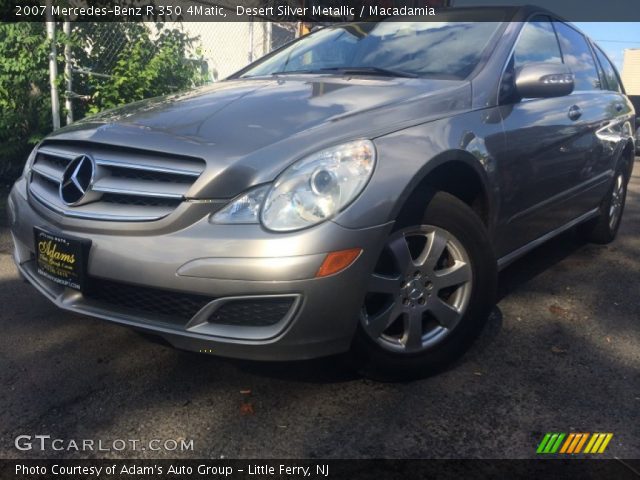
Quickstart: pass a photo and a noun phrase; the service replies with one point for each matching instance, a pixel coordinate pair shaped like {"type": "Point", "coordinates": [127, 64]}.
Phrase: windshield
{"type": "Point", "coordinates": [425, 49]}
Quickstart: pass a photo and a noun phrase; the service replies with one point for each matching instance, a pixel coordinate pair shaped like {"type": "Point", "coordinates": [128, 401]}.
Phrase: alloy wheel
{"type": "Point", "coordinates": [617, 201]}
{"type": "Point", "coordinates": [419, 291]}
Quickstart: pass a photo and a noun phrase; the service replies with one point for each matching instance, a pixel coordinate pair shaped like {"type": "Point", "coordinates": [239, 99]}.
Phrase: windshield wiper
{"type": "Point", "coordinates": [369, 71]}
{"type": "Point", "coordinates": [292, 72]}
{"type": "Point", "coordinates": [352, 71]}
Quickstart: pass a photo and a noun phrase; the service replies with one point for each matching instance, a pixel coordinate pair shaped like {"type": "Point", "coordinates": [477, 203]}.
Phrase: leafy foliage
{"type": "Point", "coordinates": [25, 106]}
{"type": "Point", "coordinates": [142, 64]}
{"type": "Point", "coordinates": [132, 60]}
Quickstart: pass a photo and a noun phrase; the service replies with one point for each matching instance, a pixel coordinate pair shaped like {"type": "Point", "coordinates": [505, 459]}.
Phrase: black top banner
{"type": "Point", "coordinates": [311, 11]}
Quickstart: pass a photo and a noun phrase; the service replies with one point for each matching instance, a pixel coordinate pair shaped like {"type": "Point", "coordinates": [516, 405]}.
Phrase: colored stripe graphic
{"type": "Point", "coordinates": [605, 443]}
{"type": "Point", "coordinates": [557, 444]}
{"type": "Point", "coordinates": [594, 437]}
{"type": "Point", "coordinates": [581, 443]}
{"type": "Point", "coordinates": [573, 443]}
{"type": "Point", "coordinates": [598, 443]}
{"type": "Point", "coordinates": [543, 443]}
{"type": "Point", "coordinates": [566, 445]}
{"type": "Point", "coordinates": [551, 443]}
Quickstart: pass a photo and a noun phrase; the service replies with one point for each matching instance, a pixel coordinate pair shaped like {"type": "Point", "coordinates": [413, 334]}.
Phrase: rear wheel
{"type": "Point", "coordinates": [604, 228]}
{"type": "Point", "coordinates": [428, 297]}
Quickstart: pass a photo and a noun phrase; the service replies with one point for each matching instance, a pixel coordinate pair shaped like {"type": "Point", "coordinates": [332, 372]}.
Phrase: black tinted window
{"type": "Point", "coordinates": [537, 43]}
{"type": "Point", "coordinates": [611, 78]}
{"type": "Point", "coordinates": [577, 55]}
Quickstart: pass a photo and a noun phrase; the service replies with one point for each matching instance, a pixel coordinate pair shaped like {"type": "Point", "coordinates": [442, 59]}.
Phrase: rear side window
{"type": "Point", "coordinates": [537, 43]}
{"type": "Point", "coordinates": [611, 77]}
{"type": "Point", "coordinates": [577, 56]}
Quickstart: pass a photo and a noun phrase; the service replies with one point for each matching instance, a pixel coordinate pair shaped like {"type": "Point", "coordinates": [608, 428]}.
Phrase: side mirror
{"type": "Point", "coordinates": [544, 80]}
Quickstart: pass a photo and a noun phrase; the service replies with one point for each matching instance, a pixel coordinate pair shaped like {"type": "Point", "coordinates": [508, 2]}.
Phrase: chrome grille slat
{"type": "Point", "coordinates": [142, 188]}
{"type": "Point", "coordinates": [101, 211]}
{"type": "Point", "coordinates": [57, 153]}
{"type": "Point", "coordinates": [147, 167]}
{"type": "Point", "coordinates": [129, 184]}
{"type": "Point", "coordinates": [48, 170]}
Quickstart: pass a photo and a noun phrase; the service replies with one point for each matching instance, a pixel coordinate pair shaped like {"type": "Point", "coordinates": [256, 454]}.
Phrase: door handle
{"type": "Point", "coordinates": [575, 113]}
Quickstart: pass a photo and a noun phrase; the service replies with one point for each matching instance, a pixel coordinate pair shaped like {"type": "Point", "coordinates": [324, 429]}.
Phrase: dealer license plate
{"type": "Point", "coordinates": [60, 258]}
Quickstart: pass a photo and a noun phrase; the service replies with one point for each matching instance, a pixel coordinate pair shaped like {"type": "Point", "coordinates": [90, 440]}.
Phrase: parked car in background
{"type": "Point", "coordinates": [357, 190]}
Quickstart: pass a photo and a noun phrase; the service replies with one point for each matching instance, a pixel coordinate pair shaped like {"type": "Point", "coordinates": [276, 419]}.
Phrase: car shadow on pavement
{"type": "Point", "coordinates": [538, 261]}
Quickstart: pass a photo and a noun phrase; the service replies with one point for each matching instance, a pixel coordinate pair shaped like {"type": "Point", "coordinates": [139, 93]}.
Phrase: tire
{"type": "Point", "coordinates": [424, 324]}
{"type": "Point", "coordinates": [604, 228]}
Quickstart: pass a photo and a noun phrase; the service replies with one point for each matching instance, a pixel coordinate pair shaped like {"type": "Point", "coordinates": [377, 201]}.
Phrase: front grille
{"type": "Point", "coordinates": [260, 312]}
{"type": "Point", "coordinates": [128, 184]}
{"type": "Point", "coordinates": [173, 307]}
{"type": "Point", "coordinates": [140, 201]}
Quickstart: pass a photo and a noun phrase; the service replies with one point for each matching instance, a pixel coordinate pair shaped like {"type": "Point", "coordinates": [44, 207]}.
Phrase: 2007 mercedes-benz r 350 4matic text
{"type": "Point", "coordinates": [356, 190]}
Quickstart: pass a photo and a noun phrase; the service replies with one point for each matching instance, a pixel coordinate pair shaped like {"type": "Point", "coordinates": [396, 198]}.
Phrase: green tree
{"type": "Point", "coordinates": [25, 106]}
{"type": "Point", "coordinates": [141, 61]}
{"type": "Point", "coordinates": [138, 61]}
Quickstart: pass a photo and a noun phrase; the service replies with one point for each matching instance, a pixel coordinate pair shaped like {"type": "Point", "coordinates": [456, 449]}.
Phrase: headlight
{"type": "Point", "coordinates": [319, 186]}
{"type": "Point", "coordinates": [309, 192]}
{"type": "Point", "coordinates": [243, 209]}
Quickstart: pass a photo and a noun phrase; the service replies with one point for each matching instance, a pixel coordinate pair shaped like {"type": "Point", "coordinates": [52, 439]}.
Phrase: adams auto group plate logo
{"type": "Point", "coordinates": [574, 443]}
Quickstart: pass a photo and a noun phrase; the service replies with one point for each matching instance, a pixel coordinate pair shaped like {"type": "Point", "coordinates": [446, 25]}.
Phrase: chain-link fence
{"type": "Point", "coordinates": [227, 47]}
{"type": "Point", "coordinates": [101, 60]}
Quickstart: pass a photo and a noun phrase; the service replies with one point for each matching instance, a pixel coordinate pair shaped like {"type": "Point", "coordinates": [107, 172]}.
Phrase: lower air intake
{"type": "Point", "coordinates": [260, 312]}
{"type": "Point", "coordinates": [167, 305]}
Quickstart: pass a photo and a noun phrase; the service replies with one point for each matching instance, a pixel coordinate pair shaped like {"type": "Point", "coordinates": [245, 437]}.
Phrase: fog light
{"type": "Point", "coordinates": [335, 262]}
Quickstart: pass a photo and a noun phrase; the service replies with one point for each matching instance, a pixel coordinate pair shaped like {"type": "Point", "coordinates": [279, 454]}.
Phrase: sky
{"type": "Point", "coordinates": [613, 37]}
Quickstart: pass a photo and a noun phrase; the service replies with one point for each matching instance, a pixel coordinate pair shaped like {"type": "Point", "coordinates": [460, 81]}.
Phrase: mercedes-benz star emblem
{"type": "Point", "coordinates": [77, 180]}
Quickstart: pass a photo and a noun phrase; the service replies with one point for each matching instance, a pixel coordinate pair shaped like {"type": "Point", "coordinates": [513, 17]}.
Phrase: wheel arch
{"type": "Point", "coordinates": [628, 156]}
{"type": "Point", "coordinates": [456, 172]}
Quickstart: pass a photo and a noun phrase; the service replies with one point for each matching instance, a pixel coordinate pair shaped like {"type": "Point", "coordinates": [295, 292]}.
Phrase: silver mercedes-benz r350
{"type": "Point", "coordinates": [354, 191]}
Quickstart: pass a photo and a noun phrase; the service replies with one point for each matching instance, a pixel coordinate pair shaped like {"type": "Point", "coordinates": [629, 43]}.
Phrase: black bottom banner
{"type": "Point", "coordinates": [104, 469]}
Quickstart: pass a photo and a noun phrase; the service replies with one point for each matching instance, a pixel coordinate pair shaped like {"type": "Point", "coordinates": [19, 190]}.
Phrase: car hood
{"type": "Point", "coordinates": [249, 130]}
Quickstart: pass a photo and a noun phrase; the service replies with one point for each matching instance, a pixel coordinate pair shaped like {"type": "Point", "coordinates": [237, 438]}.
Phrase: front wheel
{"type": "Point", "coordinates": [429, 295]}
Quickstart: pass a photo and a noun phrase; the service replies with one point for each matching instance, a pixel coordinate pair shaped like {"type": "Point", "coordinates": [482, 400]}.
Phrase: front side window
{"type": "Point", "coordinates": [577, 56]}
{"type": "Point", "coordinates": [424, 49]}
{"type": "Point", "coordinates": [610, 75]}
{"type": "Point", "coordinates": [537, 43]}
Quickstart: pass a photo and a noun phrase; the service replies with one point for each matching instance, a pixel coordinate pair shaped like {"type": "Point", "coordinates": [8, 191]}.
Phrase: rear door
{"type": "Point", "coordinates": [604, 113]}
{"type": "Point", "coordinates": [618, 129]}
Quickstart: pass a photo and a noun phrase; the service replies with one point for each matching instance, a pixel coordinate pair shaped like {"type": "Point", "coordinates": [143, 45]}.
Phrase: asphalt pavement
{"type": "Point", "coordinates": [561, 353]}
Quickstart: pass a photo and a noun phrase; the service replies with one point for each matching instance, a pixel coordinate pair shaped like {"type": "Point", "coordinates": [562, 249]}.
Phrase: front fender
{"type": "Point", "coordinates": [407, 157]}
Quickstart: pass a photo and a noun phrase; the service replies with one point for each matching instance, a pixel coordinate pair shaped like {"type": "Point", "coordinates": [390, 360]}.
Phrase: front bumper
{"type": "Point", "coordinates": [215, 265]}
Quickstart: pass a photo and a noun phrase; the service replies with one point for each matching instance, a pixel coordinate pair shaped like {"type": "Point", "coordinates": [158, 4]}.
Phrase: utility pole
{"type": "Point", "coordinates": [53, 67]}
{"type": "Point", "coordinates": [68, 105]}
{"type": "Point", "coordinates": [251, 39]}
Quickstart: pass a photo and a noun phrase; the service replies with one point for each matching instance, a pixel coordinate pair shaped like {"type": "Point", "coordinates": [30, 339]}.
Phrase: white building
{"type": "Point", "coordinates": [631, 71]}
{"type": "Point", "coordinates": [229, 46]}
